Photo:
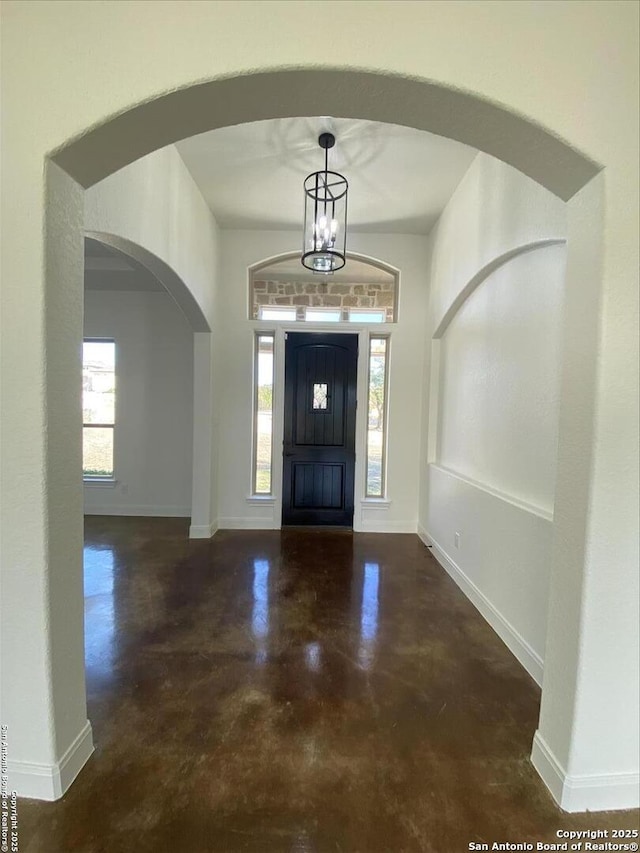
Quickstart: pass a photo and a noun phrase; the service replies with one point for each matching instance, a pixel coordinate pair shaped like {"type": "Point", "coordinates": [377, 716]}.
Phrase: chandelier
{"type": "Point", "coordinates": [325, 216]}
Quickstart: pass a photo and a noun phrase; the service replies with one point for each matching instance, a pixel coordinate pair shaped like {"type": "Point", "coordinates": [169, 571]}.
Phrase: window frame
{"type": "Point", "coordinates": [102, 478]}
{"type": "Point", "coordinates": [361, 322]}
{"type": "Point", "coordinates": [385, 419]}
{"type": "Point", "coordinates": [262, 333]}
{"type": "Point", "coordinates": [325, 310]}
{"type": "Point", "coordinates": [275, 310]}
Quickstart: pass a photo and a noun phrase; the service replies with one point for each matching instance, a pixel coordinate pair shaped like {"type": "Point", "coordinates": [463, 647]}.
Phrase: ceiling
{"type": "Point", "coordinates": [106, 268]}
{"type": "Point", "coordinates": [251, 175]}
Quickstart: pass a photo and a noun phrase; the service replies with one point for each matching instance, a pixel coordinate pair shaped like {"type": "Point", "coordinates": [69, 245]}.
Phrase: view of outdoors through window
{"type": "Point", "coordinates": [263, 413]}
{"type": "Point", "coordinates": [98, 407]}
{"type": "Point", "coordinates": [376, 417]}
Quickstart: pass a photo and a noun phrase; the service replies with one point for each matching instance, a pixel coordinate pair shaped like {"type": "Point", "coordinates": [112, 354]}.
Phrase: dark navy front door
{"type": "Point", "coordinates": [319, 428]}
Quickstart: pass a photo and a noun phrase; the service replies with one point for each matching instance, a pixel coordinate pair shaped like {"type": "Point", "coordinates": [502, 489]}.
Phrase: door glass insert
{"type": "Point", "coordinates": [320, 395]}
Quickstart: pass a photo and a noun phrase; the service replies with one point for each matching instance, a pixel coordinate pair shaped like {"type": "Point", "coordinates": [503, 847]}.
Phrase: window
{"type": "Point", "coordinates": [276, 313]}
{"type": "Point", "coordinates": [263, 413]}
{"type": "Point", "coordinates": [322, 315]}
{"type": "Point", "coordinates": [376, 417]}
{"type": "Point", "coordinates": [98, 408]}
{"type": "Point", "coordinates": [356, 316]}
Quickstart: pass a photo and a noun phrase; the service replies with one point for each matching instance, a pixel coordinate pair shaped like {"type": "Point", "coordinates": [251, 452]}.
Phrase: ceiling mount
{"type": "Point", "coordinates": [326, 140]}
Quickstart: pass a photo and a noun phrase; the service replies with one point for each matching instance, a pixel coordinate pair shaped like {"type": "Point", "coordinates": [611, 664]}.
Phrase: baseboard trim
{"type": "Point", "coordinates": [243, 523]}
{"type": "Point", "coordinates": [381, 526]}
{"type": "Point", "coordinates": [422, 533]}
{"type": "Point", "coordinates": [51, 781]}
{"type": "Point", "coordinates": [516, 644]}
{"type": "Point", "coordinates": [142, 510]}
{"type": "Point", "coordinates": [549, 768]}
{"type": "Point", "coordinates": [203, 531]}
{"type": "Point", "coordinates": [593, 793]}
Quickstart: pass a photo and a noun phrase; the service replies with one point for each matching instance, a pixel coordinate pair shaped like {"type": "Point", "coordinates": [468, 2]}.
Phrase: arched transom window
{"type": "Point", "coordinates": [361, 292]}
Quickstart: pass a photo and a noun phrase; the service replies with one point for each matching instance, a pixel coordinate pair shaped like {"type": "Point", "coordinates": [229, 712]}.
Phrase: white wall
{"type": "Point", "coordinates": [154, 403]}
{"type": "Point", "coordinates": [500, 379]}
{"type": "Point", "coordinates": [240, 250]}
{"type": "Point", "coordinates": [155, 205]}
{"type": "Point", "coordinates": [489, 451]}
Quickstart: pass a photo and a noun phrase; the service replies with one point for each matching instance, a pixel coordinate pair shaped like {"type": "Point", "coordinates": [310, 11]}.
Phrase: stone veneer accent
{"type": "Point", "coordinates": [320, 295]}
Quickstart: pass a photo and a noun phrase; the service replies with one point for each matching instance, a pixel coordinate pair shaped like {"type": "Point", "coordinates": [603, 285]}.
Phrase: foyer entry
{"type": "Point", "coordinates": [319, 429]}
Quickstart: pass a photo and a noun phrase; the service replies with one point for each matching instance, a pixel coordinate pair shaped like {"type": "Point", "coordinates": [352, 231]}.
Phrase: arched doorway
{"type": "Point", "coordinates": [201, 426]}
{"type": "Point", "coordinates": [420, 104]}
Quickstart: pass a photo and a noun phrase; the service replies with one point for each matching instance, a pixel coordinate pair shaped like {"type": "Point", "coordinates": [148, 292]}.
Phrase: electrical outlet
{"type": "Point", "coordinates": [456, 539]}
{"type": "Point", "coordinates": [124, 489]}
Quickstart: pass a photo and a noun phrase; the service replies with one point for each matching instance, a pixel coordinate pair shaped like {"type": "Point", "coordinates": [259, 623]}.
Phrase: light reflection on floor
{"type": "Point", "coordinates": [312, 653]}
{"type": "Point", "coordinates": [99, 625]}
{"type": "Point", "coordinates": [369, 614]}
{"type": "Point", "coordinates": [260, 614]}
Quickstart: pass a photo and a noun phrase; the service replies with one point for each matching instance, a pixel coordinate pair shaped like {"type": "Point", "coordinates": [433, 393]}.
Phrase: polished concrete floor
{"type": "Point", "coordinates": [299, 691]}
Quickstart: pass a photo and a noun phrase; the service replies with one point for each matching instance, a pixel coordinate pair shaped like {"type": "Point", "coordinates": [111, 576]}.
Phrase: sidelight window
{"type": "Point", "coordinates": [263, 413]}
{"type": "Point", "coordinates": [98, 408]}
{"type": "Point", "coordinates": [377, 416]}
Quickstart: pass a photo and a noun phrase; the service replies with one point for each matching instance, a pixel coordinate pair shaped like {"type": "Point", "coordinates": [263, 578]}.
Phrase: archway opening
{"type": "Point", "coordinates": [141, 461]}
{"type": "Point", "coordinates": [381, 97]}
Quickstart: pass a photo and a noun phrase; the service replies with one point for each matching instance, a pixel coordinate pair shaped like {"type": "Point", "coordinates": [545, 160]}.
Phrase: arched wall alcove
{"type": "Point", "coordinates": [447, 319]}
{"type": "Point", "coordinates": [483, 274]}
{"type": "Point", "coordinates": [382, 96]}
{"type": "Point", "coordinates": [493, 410]}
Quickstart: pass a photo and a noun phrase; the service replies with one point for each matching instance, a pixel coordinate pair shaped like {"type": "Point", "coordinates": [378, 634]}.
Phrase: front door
{"type": "Point", "coordinates": [319, 428]}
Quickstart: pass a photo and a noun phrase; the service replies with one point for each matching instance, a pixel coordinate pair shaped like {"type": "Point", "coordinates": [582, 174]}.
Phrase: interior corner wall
{"type": "Point", "coordinates": [492, 365]}
{"type": "Point", "coordinates": [154, 404]}
{"type": "Point", "coordinates": [242, 249]}
{"type": "Point", "coordinates": [155, 204]}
